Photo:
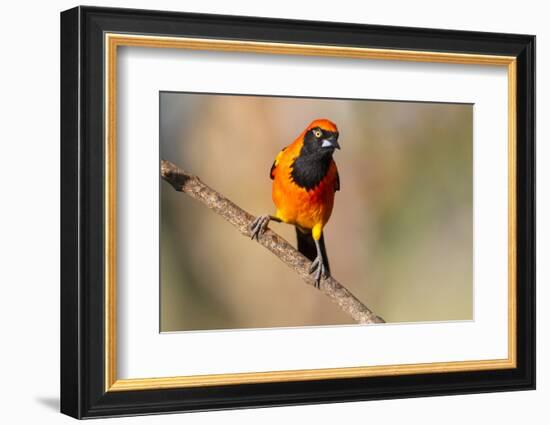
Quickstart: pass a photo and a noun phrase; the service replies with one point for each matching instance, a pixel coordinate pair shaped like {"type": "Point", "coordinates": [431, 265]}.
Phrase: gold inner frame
{"type": "Point", "coordinates": [113, 41]}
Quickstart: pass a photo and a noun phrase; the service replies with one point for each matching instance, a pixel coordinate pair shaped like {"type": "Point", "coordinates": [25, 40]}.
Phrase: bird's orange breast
{"type": "Point", "coordinates": [295, 204]}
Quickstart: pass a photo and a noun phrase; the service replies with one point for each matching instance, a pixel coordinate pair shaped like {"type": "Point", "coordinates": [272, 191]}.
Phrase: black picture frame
{"type": "Point", "coordinates": [83, 392]}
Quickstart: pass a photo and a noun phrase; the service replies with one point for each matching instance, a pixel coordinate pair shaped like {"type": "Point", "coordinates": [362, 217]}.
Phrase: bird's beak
{"type": "Point", "coordinates": [331, 142]}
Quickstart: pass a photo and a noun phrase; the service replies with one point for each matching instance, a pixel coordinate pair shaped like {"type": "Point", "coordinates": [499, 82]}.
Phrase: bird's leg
{"type": "Point", "coordinates": [318, 266]}
{"type": "Point", "coordinates": [258, 226]}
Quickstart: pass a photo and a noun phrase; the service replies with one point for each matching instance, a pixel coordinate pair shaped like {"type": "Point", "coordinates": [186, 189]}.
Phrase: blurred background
{"type": "Point", "coordinates": [400, 237]}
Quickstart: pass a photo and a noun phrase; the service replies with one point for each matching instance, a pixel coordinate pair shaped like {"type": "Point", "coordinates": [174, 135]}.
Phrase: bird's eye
{"type": "Point", "coordinates": [317, 133]}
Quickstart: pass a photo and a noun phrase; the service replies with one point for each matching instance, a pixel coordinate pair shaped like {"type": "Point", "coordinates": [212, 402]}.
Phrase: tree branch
{"type": "Point", "coordinates": [194, 187]}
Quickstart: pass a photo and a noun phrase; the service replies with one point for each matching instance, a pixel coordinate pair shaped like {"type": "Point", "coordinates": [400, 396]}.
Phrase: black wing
{"type": "Point", "coordinates": [271, 172]}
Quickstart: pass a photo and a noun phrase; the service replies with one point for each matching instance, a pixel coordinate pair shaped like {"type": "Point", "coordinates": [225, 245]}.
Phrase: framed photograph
{"type": "Point", "coordinates": [261, 212]}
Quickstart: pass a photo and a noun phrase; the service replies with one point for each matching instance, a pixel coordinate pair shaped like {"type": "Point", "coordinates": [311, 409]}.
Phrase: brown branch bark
{"type": "Point", "coordinates": [194, 187]}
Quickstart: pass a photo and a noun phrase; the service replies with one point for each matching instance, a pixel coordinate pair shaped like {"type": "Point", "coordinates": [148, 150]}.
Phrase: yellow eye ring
{"type": "Point", "coordinates": [317, 133]}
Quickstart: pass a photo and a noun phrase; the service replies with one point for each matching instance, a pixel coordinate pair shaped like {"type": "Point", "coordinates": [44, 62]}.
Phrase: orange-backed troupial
{"type": "Point", "coordinates": [304, 181]}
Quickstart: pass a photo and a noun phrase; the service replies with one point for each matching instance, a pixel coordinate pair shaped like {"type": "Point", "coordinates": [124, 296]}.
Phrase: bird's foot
{"type": "Point", "coordinates": [318, 269]}
{"type": "Point", "coordinates": [258, 226]}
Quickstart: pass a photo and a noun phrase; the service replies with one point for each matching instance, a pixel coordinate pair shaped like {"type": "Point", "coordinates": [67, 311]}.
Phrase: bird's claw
{"type": "Point", "coordinates": [258, 226]}
{"type": "Point", "coordinates": [318, 269]}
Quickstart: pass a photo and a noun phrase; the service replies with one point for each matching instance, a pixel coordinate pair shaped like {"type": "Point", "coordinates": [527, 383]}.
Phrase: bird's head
{"type": "Point", "coordinates": [320, 137]}
{"type": "Point", "coordinates": [318, 142]}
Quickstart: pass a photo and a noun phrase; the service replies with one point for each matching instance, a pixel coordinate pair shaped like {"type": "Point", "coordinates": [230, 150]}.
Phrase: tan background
{"type": "Point", "coordinates": [400, 237]}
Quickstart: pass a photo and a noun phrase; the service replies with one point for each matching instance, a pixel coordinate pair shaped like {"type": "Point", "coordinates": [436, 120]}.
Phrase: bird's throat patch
{"type": "Point", "coordinates": [309, 170]}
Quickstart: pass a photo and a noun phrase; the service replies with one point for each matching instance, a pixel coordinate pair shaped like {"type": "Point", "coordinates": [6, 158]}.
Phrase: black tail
{"type": "Point", "coordinates": [306, 246]}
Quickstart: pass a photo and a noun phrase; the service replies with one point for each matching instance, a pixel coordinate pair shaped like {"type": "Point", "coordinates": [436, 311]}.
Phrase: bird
{"type": "Point", "coordinates": [305, 180]}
